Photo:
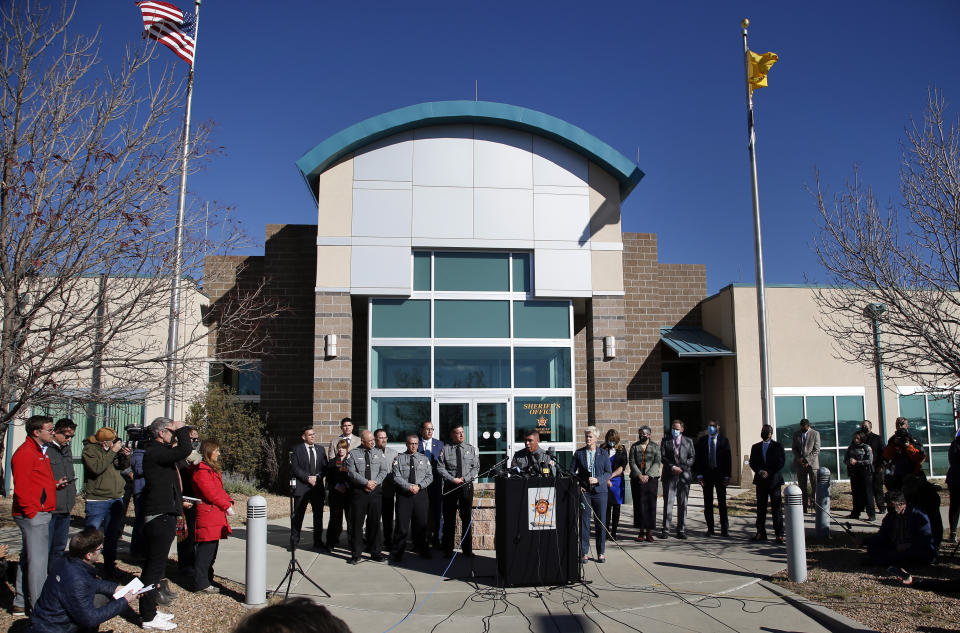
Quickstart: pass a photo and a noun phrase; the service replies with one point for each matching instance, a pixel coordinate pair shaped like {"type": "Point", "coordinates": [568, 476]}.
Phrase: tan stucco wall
{"type": "Point", "coordinates": [335, 193]}
{"type": "Point", "coordinates": [720, 381]}
{"type": "Point", "coordinates": [606, 269]}
{"type": "Point", "coordinates": [799, 356]}
{"type": "Point", "coordinates": [333, 266]}
{"type": "Point", "coordinates": [604, 206]}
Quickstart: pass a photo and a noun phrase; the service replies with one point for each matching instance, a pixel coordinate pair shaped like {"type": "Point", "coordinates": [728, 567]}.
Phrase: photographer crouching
{"type": "Point", "coordinates": [162, 504]}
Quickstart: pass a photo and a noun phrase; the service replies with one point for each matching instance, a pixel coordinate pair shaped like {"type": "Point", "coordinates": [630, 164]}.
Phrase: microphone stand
{"type": "Point", "coordinates": [293, 567]}
{"type": "Point", "coordinates": [585, 505]}
{"type": "Point", "coordinates": [473, 573]}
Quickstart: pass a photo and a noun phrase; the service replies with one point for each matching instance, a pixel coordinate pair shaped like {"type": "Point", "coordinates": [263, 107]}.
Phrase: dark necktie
{"type": "Point", "coordinates": [313, 460]}
{"type": "Point", "coordinates": [459, 461]}
{"type": "Point", "coordinates": [366, 462]}
{"type": "Point", "coordinates": [413, 471]}
{"type": "Point", "coordinates": [713, 453]}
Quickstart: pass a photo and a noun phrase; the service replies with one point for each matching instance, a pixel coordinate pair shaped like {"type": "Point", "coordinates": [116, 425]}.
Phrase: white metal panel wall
{"type": "Point", "coordinates": [466, 186]}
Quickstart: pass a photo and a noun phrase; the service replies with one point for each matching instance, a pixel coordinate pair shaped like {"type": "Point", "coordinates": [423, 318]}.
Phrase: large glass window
{"type": "Point", "coordinates": [401, 318]}
{"type": "Point", "coordinates": [541, 367]}
{"type": "Point", "coordinates": [541, 319]}
{"type": "Point", "coordinates": [933, 421]}
{"type": "Point", "coordinates": [788, 411]}
{"type": "Point", "coordinates": [552, 416]}
{"type": "Point", "coordinates": [849, 418]}
{"type": "Point", "coordinates": [399, 416]}
{"type": "Point", "coordinates": [400, 368]}
{"type": "Point", "coordinates": [822, 418]}
{"type": "Point", "coordinates": [472, 319]}
{"type": "Point", "coordinates": [241, 377]}
{"type": "Point", "coordinates": [471, 367]}
{"type": "Point", "coordinates": [449, 353]}
{"type": "Point", "coordinates": [834, 417]}
{"type": "Point", "coordinates": [942, 422]}
{"type": "Point", "coordinates": [483, 272]}
{"type": "Point", "coordinates": [521, 272]}
{"type": "Point", "coordinates": [421, 270]}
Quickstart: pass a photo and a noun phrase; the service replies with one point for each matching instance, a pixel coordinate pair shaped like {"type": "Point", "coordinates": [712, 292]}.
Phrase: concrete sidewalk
{"type": "Point", "coordinates": [700, 584]}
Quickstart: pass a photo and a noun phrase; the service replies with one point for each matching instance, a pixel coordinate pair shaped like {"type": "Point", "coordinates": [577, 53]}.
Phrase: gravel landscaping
{"type": "Point", "coordinates": [195, 613]}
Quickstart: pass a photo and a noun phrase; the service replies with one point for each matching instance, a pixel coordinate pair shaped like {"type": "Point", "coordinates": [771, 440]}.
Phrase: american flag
{"type": "Point", "coordinates": [165, 23]}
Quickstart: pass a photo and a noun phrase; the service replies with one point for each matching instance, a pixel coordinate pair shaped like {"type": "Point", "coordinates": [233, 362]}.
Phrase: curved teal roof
{"type": "Point", "coordinates": [324, 155]}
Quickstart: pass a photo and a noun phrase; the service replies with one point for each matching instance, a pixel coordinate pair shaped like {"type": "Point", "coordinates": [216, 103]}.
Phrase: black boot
{"type": "Point", "coordinates": [164, 594]}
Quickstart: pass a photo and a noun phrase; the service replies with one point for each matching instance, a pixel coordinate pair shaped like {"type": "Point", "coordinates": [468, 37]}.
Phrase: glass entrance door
{"type": "Point", "coordinates": [485, 423]}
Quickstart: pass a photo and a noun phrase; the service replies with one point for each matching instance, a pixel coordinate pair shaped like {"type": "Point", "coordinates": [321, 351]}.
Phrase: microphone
{"type": "Point", "coordinates": [552, 456]}
{"type": "Point", "coordinates": [293, 478]}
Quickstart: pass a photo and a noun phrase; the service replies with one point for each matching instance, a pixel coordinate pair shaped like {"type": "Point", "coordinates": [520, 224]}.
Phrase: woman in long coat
{"type": "Point", "coordinates": [212, 512]}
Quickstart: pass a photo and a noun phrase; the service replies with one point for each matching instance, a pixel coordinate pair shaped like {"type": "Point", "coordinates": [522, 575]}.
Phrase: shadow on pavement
{"type": "Point", "coordinates": [562, 623]}
{"type": "Point", "coordinates": [714, 570]}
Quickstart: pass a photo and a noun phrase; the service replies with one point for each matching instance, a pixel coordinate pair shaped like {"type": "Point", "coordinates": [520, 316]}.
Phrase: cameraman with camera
{"type": "Point", "coordinates": [162, 504]}
{"type": "Point", "coordinates": [104, 457]}
{"type": "Point", "coordinates": [904, 455]}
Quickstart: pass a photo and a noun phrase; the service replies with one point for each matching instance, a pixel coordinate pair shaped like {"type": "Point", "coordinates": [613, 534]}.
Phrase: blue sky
{"type": "Point", "coordinates": [664, 80]}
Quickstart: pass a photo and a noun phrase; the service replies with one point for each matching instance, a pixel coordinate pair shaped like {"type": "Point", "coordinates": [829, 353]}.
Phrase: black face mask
{"type": "Point", "coordinates": [644, 439]}
{"type": "Point", "coordinates": [765, 436]}
{"type": "Point", "coordinates": [865, 429]}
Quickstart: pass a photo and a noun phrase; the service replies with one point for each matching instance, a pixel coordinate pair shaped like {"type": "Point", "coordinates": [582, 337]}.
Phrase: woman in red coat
{"type": "Point", "coordinates": [212, 514]}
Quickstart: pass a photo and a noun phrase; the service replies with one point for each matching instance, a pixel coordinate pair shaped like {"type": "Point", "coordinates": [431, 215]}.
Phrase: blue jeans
{"type": "Point", "coordinates": [107, 516]}
{"type": "Point", "coordinates": [59, 535]}
{"type": "Point", "coordinates": [595, 506]}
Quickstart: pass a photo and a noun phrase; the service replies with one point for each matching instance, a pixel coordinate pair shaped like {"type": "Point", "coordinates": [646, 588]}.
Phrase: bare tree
{"type": "Point", "coordinates": [906, 257]}
{"type": "Point", "coordinates": [90, 163]}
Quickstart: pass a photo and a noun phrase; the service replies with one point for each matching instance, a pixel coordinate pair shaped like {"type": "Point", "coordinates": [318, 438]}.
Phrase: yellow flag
{"type": "Point", "coordinates": [759, 67]}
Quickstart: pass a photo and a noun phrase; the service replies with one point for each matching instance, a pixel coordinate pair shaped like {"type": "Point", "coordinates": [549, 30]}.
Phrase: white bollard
{"type": "Point", "coordinates": [256, 570]}
{"type": "Point", "coordinates": [796, 541]}
{"type": "Point", "coordinates": [823, 503]}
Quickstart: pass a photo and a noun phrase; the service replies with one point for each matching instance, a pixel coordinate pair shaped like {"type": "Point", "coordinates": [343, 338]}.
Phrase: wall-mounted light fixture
{"type": "Point", "coordinates": [330, 350]}
{"type": "Point", "coordinates": [609, 347]}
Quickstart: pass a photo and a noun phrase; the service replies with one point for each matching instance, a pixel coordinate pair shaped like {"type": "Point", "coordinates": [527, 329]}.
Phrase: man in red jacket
{"type": "Point", "coordinates": [34, 498]}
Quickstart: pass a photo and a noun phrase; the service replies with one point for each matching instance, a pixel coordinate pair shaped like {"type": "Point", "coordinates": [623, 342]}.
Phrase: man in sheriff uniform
{"type": "Point", "coordinates": [459, 465]}
{"type": "Point", "coordinates": [532, 456]}
{"type": "Point", "coordinates": [389, 490]}
{"type": "Point", "coordinates": [366, 470]}
{"type": "Point", "coordinates": [412, 474]}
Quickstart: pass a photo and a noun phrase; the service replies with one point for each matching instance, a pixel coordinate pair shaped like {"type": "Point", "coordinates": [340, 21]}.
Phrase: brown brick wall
{"type": "Point", "coordinates": [286, 387]}
{"type": "Point", "coordinates": [655, 295]}
{"type": "Point", "coordinates": [287, 270]}
{"type": "Point", "coordinates": [332, 393]}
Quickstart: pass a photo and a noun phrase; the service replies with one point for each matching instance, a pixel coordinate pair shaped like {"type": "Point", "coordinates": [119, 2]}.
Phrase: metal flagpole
{"type": "Point", "coordinates": [757, 246]}
{"type": "Point", "coordinates": [173, 331]}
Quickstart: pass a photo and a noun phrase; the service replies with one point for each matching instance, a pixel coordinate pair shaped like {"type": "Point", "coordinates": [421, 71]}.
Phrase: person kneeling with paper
{"type": "Point", "coordinates": [73, 598]}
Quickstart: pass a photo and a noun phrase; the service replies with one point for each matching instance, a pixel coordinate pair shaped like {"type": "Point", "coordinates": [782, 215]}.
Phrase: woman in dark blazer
{"type": "Point", "coordinates": [591, 466]}
{"type": "Point", "coordinates": [338, 499]}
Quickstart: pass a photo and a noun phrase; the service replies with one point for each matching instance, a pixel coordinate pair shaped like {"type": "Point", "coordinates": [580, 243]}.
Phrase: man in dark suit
{"type": "Point", "coordinates": [591, 467]}
{"type": "Point", "coordinates": [677, 455]}
{"type": "Point", "coordinates": [308, 465]}
{"type": "Point", "coordinates": [433, 448]}
{"type": "Point", "coordinates": [767, 460]}
{"type": "Point", "coordinates": [713, 464]}
{"type": "Point", "coordinates": [876, 444]}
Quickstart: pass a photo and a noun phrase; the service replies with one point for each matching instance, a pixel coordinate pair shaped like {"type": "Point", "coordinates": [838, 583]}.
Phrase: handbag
{"type": "Point", "coordinates": [181, 529]}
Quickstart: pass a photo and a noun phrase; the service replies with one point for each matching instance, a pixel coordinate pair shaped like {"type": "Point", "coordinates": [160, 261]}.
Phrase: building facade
{"type": "Point", "coordinates": [468, 267]}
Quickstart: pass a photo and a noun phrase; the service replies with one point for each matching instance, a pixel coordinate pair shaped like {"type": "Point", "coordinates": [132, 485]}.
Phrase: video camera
{"type": "Point", "coordinates": [136, 437]}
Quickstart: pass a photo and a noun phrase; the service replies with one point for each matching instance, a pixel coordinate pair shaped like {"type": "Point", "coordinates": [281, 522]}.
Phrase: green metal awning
{"type": "Point", "coordinates": [689, 342]}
